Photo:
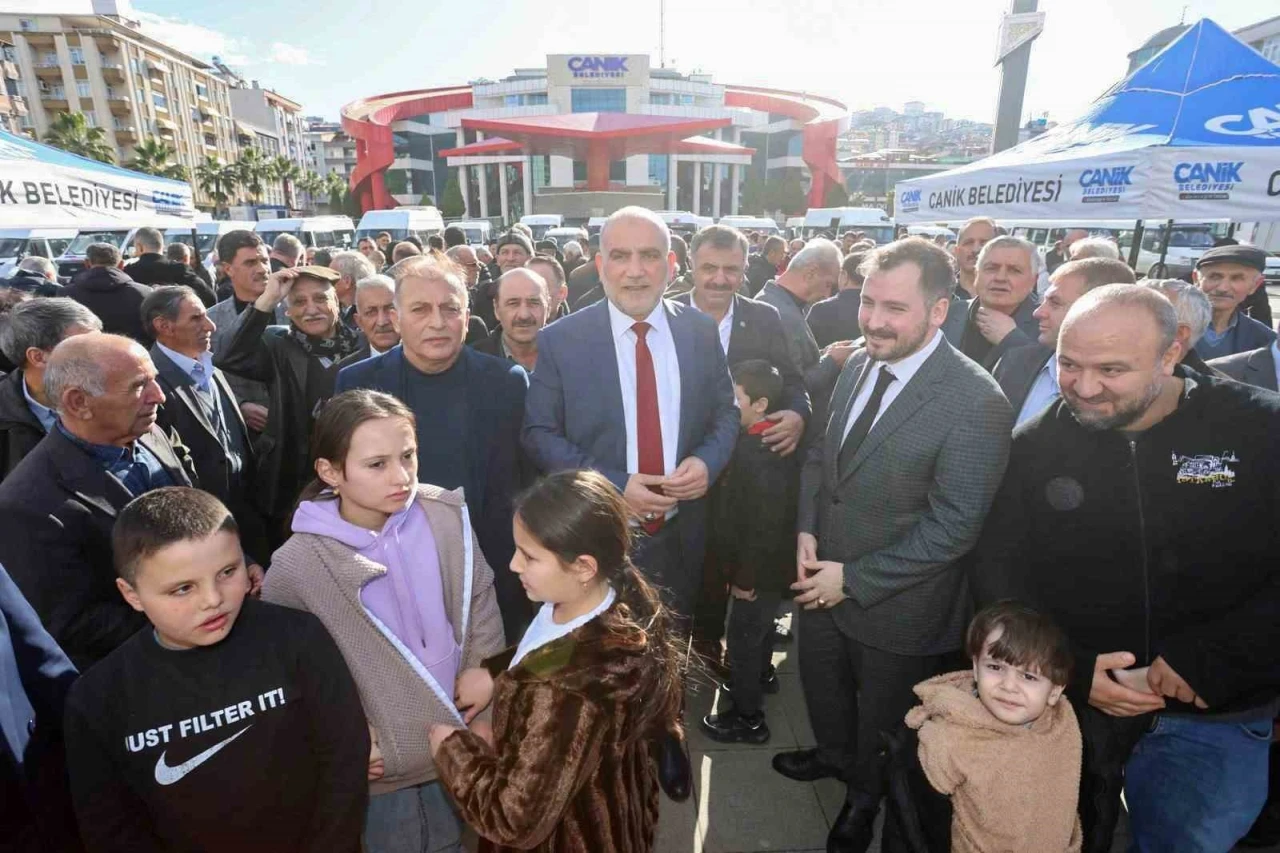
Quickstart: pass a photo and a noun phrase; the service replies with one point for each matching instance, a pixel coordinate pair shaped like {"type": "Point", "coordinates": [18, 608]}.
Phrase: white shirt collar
{"type": "Point", "coordinates": [544, 629]}
{"type": "Point", "coordinates": [905, 368]}
{"type": "Point", "coordinates": [621, 324]}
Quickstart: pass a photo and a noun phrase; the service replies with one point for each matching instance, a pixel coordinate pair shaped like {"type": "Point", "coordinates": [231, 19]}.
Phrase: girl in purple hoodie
{"type": "Point", "coordinates": [393, 570]}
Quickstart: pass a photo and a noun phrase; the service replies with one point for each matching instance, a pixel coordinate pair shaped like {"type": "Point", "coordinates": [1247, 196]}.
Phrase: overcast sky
{"type": "Point", "coordinates": [866, 53]}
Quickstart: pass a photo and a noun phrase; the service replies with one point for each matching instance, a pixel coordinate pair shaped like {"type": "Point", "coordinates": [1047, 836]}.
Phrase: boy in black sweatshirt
{"type": "Point", "coordinates": [229, 724]}
{"type": "Point", "coordinates": [751, 536]}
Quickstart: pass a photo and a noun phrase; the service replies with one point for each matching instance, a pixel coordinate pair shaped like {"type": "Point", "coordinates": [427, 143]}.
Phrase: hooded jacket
{"type": "Point", "coordinates": [324, 576]}
{"type": "Point", "coordinates": [571, 770]}
{"type": "Point", "coordinates": [1013, 788]}
{"type": "Point", "coordinates": [115, 298]}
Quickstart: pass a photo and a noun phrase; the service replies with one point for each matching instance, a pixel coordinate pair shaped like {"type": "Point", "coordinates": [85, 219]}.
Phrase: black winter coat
{"type": "Point", "coordinates": [20, 432]}
{"type": "Point", "coordinates": [115, 298]}
{"type": "Point", "coordinates": [155, 269]}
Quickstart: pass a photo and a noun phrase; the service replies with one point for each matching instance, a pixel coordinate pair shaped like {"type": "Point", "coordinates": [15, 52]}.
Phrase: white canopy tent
{"type": "Point", "coordinates": [44, 186]}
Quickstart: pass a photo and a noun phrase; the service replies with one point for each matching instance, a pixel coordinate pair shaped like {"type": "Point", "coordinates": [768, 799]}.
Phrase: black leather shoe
{"type": "Point", "coordinates": [675, 773]}
{"type": "Point", "coordinates": [732, 727]}
{"type": "Point", "coordinates": [804, 765]}
{"type": "Point", "coordinates": [768, 682]}
{"type": "Point", "coordinates": [854, 826]}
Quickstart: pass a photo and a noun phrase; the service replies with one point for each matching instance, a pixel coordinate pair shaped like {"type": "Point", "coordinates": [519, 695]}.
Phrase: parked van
{"type": "Point", "coordinates": [794, 228]}
{"type": "Point", "coordinates": [19, 243]}
{"type": "Point", "coordinates": [930, 231]}
{"type": "Point", "coordinates": [564, 235]}
{"type": "Point", "coordinates": [323, 232]}
{"type": "Point", "coordinates": [1187, 240]}
{"type": "Point", "coordinates": [761, 224]}
{"type": "Point", "coordinates": [541, 223]}
{"type": "Point", "coordinates": [871, 221]}
{"type": "Point", "coordinates": [206, 235]}
{"type": "Point", "coordinates": [401, 223]}
{"type": "Point", "coordinates": [71, 261]}
{"type": "Point", "coordinates": [478, 231]}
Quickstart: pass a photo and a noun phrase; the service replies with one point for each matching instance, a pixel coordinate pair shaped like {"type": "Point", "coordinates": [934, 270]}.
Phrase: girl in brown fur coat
{"type": "Point", "coordinates": [577, 704]}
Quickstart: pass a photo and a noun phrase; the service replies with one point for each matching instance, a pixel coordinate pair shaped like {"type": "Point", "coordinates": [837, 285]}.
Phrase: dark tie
{"type": "Point", "coordinates": [862, 425]}
{"type": "Point", "coordinates": [648, 421]}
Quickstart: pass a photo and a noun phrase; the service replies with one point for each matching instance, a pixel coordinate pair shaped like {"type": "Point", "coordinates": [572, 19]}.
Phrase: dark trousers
{"type": "Point", "coordinates": [662, 558]}
{"type": "Point", "coordinates": [750, 648]}
{"type": "Point", "coordinates": [855, 692]}
{"type": "Point", "coordinates": [1108, 742]}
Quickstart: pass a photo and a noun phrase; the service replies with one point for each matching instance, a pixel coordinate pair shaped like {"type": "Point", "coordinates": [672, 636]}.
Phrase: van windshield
{"type": "Point", "coordinates": [84, 238]}
{"type": "Point", "coordinates": [11, 247]}
{"type": "Point", "coordinates": [474, 235]}
{"type": "Point", "coordinates": [372, 233]}
{"type": "Point", "coordinates": [1191, 238]}
{"type": "Point", "coordinates": [205, 243]}
{"type": "Point", "coordinates": [540, 231]}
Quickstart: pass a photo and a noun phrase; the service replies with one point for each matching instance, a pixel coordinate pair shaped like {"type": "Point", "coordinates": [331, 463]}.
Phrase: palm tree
{"type": "Point", "coordinates": [155, 157]}
{"type": "Point", "coordinates": [334, 184]}
{"type": "Point", "coordinates": [311, 184]}
{"type": "Point", "coordinates": [218, 180]}
{"type": "Point", "coordinates": [287, 173]}
{"type": "Point", "coordinates": [71, 132]}
{"type": "Point", "coordinates": [252, 168]}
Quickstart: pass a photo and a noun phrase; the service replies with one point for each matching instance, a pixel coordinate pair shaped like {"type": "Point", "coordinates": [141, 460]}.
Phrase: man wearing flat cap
{"type": "Point", "coordinates": [1228, 275]}
{"type": "Point", "coordinates": [299, 364]}
{"type": "Point", "coordinates": [514, 251]}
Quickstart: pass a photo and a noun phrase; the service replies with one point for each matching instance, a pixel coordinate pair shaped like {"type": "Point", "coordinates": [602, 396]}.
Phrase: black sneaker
{"type": "Point", "coordinates": [732, 727]}
{"type": "Point", "coordinates": [768, 682]}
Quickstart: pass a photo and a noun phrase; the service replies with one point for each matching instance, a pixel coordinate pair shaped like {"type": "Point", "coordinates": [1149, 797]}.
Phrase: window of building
{"type": "Point", "coordinates": [598, 100]}
{"type": "Point", "coordinates": [1271, 49]}
{"type": "Point", "coordinates": [90, 119]}
{"type": "Point", "coordinates": [133, 63]}
{"type": "Point", "coordinates": [27, 25]}
{"type": "Point", "coordinates": [142, 96]}
{"type": "Point", "coordinates": [84, 89]}
{"type": "Point", "coordinates": [202, 91]}
{"type": "Point", "coordinates": [160, 101]}
{"type": "Point", "coordinates": [530, 99]}
{"type": "Point", "coordinates": [658, 169]}
{"type": "Point", "coordinates": [59, 93]}
{"type": "Point", "coordinates": [77, 55]}
{"type": "Point", "coordinates": [50, 59]}
{"type": "Point", "coordinates": [670, 99]}
{"type": "Point", "coordinates": [9, 53]}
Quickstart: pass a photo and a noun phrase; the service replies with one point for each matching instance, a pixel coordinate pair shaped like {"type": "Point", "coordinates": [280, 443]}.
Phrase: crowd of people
{"type": "Point", "coordinates": [353, 550]}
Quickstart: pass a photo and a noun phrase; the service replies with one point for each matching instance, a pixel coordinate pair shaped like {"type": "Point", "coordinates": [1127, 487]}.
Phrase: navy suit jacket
{"type": "Point", "coordinates": [495, 409]}
{"type": "Point", "coordinates": [574, 417]}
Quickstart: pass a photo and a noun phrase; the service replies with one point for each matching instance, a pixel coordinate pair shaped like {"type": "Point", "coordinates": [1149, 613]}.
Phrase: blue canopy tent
{"type": "Point", "coordinates": [1194, 134]}
{"type": "Point", "coordinates": [45, 186]}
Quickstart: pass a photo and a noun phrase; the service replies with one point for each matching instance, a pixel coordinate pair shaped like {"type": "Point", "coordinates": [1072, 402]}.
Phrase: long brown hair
{"type": "Point", "coordinates": [572, 513]}
{"type": "Point", "coordinates": [338, 421]}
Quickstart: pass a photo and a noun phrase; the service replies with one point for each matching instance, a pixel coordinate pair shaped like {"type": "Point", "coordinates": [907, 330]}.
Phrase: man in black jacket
{"type": "Point", "coordinates": [37, 276]}
{"type": "Point", "coordinates": [27, 338]}
{"type": "Point", "coordinates": [765, 266]}
{"type": "Point", "coordinates": [58, 506]}
{"type": "Point", "coordinates": [111, 294]}
{"type": "Point", "coordinates": [153, 268]}
{"type": "Point", "coordinates": [1002, 318]}
{"type": "Point", "coordinates": [1140, 512]}
{"type": "Point", "coordinates": [836, 318]}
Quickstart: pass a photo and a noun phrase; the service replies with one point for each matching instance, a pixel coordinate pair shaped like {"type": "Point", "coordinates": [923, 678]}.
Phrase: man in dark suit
{"type": "Point", "coordinates": [110, 293]}
{"type": "Point", "coordinates": [201, 408]}
{"type": "Point", "coordinates": [1256, 367]}
{"type": "Point", "coordinates": [375, 316]}
{"type": "Point", "coordinates": [1002, 318]}
{"type": "Point", "coordinates": [1028, 375]}
{"type": "Point", "coordinates": [152, 268]}
{"type": "Point", "coordinates": [33, 329]}
{"type": "Point", "coordinates": [57, 508]}
{"type": "Point", "coordinates": [836, 318]}
{"type": "Point", "coordinates": [585, 280]}
{"type": "Point", "coordinates": [893, 493]}
{"type": "Point", "coordinates": [469, 408]}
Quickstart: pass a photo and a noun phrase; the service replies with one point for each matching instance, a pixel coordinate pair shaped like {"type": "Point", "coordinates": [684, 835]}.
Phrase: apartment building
{"type": "Point", "coordinates": [329, 149]}
{"type": "Point", "coordinates": [272, 123]}
{"type": "Point", "coordinates": [121, 80]}
{"type": "Point", "coordinates": [13, 107]}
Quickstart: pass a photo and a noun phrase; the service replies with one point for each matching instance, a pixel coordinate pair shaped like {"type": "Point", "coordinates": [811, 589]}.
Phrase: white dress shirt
{"type": "Point", "coordinates": [1044, 390]}
{"type": "Point", "coordinates": [903, 369]}
{"type": "Point", "coordinates": [666, 370]}
{"type": "Point", "coordinates": [726, 324]}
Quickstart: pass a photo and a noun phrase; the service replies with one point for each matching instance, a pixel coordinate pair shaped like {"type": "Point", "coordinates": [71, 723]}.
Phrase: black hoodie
{"type": "Point", "coordinates": [115, 298]}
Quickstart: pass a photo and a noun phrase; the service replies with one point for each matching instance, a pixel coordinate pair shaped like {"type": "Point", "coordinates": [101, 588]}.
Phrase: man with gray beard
{"type": "Point", "coordinates": [1139, 512]}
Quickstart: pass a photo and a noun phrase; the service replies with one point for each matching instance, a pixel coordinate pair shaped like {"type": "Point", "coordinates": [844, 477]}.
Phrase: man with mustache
{"type": "Point", "coordinates": [298, 364]}
{"type": "Point", "coordinates": [375, 316]}
{"type": "Point", "coordinates": [1228, 275]}
{"type": "Point", "coordinates": [893, 494]}
{"type": "Point", "coordinates": [1139, 512]}
{"type": "Point", "coordinates": [1002, 316]}
{"type": "Point", "coordinates": [58, 506]}
{"type": "Point", "coordinates": [973, 235]}
{"type": "Point", "coordinates": [521, 304]}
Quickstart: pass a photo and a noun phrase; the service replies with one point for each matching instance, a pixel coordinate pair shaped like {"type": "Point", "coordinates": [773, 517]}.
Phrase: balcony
{"type": "Point", "coordinates": [48, 69]}
{"type": "Point", "coordinates": [156, 70]}
{"type": "Point", "coordinates": [113, 71]}
{"type": "Point", "coordinates": [54, 100]}
{"type": "Point", "coordinates": [18, 105]}
{"type": "Point", "coordinates": [118, 103]}
{"type": "Point", "coordinates": [9, 68]}
{"type": "Point", "coordinates": [126, 133]}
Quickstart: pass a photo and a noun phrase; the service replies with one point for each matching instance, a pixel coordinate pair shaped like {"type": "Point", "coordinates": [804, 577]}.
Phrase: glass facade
{"type": "Point", "coordinates": [658, 169]}
{"type": "Point", "coordinates": [670, 99]}
{"type": "Point", "coordinates": [531, 99]}
{"type": "Point", "coordinates": [599, 100]}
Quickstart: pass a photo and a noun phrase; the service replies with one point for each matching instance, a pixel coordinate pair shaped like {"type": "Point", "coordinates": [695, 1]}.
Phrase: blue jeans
{"type": "Point", "coordinates": [420, 819]}
{"type": "Point", "coordinates": [1196, 786]}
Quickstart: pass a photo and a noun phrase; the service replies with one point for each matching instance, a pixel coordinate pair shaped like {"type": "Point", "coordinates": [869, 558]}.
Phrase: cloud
{"type": "Point", "coordinates": [194, 39]}
{"type": "Point", "coordinates": [288, 54]}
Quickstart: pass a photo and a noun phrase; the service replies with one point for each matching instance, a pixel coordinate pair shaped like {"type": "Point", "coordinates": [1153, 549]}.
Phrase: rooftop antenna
{"type": "Point", "coordinates": [1182, 19]}
{"type": "Point", "coordinates": [662, 33]}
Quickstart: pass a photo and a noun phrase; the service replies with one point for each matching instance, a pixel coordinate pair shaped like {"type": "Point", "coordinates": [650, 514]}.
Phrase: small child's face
{"type": "Point", "coordinates": [192, 590]}
{"type": "Point", "coordinates": [1012, 695]}
{"type": "Point", "coordinates": [749, 412]}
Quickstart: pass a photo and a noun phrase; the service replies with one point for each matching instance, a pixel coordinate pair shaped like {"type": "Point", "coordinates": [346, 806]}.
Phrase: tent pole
{"type": "Point", "coordinates": [1164, 245]}
{"type": "Point", "coordinates": [1137, 243]}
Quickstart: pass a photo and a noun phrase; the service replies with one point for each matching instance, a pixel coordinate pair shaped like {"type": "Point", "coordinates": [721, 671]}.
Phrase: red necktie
{"type": "Point", "coordinates": [648, 422]}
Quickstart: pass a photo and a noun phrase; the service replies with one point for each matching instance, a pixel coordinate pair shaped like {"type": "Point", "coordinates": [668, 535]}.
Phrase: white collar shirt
{"type": "Point", "coordinates": [904, 370]}
{"type": "Point", "coordinates": [666, 368]}
{"type": "Point", "coordinates": [726, 323]}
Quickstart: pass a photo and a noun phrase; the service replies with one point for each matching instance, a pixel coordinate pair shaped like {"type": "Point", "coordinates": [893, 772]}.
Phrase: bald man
{"type": "Point", "coordinates": [58, 506]}
{"type": "Point", "coordinates": [521, 303]}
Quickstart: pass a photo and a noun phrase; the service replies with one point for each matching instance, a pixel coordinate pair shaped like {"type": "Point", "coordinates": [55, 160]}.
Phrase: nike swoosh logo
{"type": "Point", "coordinates": [166, 775]}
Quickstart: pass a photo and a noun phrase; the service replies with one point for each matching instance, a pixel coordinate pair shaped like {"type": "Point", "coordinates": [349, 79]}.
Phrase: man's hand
{"type": "Point", "coordinates": [256, 577]}
{"type": "Point", "coordinates": [806, 553]}
{"type": "Point", "coordinates": [377, 767]}
{"type": "Point", "coordinates": [437, 736]}
{"type": "Point", "coordinates": [645, 502]}
{"type": "Point", "coordinates": [473, 692]}
{"type": "Point", "coordinates": [255, 416]}
{"type": "Point", "coordinates": [278, 286]}
{"type": "Point", "coordinates": [994, 325]}
{"type": "Point", "coordinates": [1115, 699]}
{"type": "Point", "coordinates": [823, 588]}
{"type": "Point", "coordinates": [1165, 682]}
{"type": "Point", "coordinates": [784, 435]}
{"type": "Point", "coordinates": [689, 481]}
{"type": "Point", "coordinates": [840, 351]}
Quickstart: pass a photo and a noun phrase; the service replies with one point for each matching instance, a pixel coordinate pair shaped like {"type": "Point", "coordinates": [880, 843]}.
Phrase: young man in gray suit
{"type": "Point", "coordinates": [893, 493]}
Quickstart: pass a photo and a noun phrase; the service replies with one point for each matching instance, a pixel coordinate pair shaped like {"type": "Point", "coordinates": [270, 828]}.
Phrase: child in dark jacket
{"type": "Point", "coordinates": [751, 536]}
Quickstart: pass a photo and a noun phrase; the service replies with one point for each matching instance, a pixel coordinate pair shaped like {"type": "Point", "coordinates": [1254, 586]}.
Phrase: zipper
{"type": "Point", "coordinates": [1142, 541]}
